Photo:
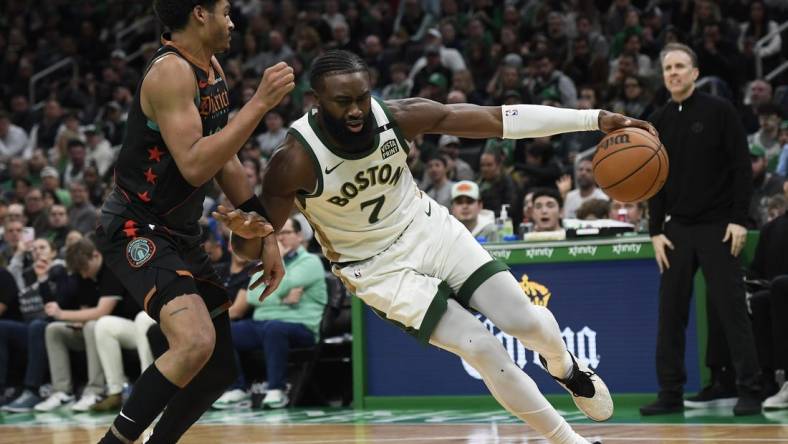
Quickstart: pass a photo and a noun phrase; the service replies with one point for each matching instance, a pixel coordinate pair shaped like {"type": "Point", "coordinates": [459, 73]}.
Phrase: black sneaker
{"type": "Point", "coordinates": [714, 395]}
{"type": "Point", "coordinates": [589, 392]}
{"type": "Point", "coordinates": [748, 404]}
{"type": "Point", "coordinates": [663, 406]}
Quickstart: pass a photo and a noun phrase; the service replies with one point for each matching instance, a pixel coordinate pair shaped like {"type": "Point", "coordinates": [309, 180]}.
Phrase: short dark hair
{"type": "Point", "coordinates": [174, 14]}
{"type": "Point", "coordinates": [296, 224]}
{"type": "Point", "coordinates": [333, 62]}
{"type": "Point", "coordinates": [79, 254]}
{"type": "Point", "coordinates": [769, 108]}
{"type": "Point", "coordinates": [75, 142]}
{"type": "Point", "coordinates": [598, 208]}
{"type": "Point", "coordinates": [679, 47]}
{"type": "Point", "coordinates": [549, 192]}
{"type": "Point", "coordinates": [437, 156]}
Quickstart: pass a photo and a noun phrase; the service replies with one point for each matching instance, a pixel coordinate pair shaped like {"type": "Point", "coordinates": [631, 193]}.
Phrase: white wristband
{"type": "Point", "coordinates": [526, 121]}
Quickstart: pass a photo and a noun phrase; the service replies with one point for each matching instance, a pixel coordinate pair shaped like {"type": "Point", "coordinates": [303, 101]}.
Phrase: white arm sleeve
{"type": "Point", "coordinates": [525, 121]}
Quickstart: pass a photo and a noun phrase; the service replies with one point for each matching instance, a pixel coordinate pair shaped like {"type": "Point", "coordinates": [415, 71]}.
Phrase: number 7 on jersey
{"type": "Point", "coordinates": [378, 204]}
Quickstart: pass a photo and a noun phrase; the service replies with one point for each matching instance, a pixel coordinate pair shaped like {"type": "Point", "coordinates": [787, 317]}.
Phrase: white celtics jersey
{"type": "Point", "coordinates": [363, 201]}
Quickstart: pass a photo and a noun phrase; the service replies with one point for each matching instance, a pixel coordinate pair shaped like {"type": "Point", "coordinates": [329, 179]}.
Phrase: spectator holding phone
{"type": "Point", "coordinates": [24, 322]}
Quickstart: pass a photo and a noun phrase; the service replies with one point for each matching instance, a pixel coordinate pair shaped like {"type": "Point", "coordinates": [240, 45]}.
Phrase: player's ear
{"type": "Point", "coordinates": [200, 14]}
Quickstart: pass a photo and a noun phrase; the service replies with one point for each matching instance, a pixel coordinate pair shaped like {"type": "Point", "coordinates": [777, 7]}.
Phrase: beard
{"type": "Point", "coordinates": [349, 140]}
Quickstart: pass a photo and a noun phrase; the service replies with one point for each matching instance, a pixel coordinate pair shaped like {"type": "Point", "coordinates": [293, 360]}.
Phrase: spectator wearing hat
{"type": "Point", "coordinates": [113, 123]}
{"type": "Point", "coordinates": [449, 57]}
{"type": "Point", "coordinates": [99, 150]}
{"type": "Point", "coordinates": [13, 139]}
{"type": "Point", "coordinates": [782, 163]}
{"type": "Point", "coordinates": [436, 88]}
{"type": "Point", "coordinates": [128, 76]}
{"type": "Point", "coordinates": [764, 185]}
{"type": "Point", "coordinates": [467, 207]}
{"type": "Point", "coordinates": [50, 181]}
{"type": "Point", "coordinates": [425, 74]}
{"type": "Point", "coordinates": [459, 169]}
{"type": "Point", "coordinates": [439, 187]}
{"type": "Point", "coordinates": [769, 117]}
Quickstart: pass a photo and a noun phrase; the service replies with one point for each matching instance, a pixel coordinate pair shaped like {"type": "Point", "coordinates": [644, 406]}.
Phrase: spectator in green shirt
{"type": "Point", "coordinates": [289, 317]}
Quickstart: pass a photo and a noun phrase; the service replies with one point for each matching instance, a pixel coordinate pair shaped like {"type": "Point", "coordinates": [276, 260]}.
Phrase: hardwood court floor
{"type": "Point", "coordinates": [341, 426]}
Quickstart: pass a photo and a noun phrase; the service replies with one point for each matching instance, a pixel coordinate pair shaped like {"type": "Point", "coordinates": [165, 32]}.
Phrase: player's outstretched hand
{"type": "Point", "coordinates": [241, 223]}
{"type": "Point", "coordinates": [277, 81]}
{"type": "Point", "coordinates": [612, 121]}
{"type": "Point", "coordinates": [272, 267]}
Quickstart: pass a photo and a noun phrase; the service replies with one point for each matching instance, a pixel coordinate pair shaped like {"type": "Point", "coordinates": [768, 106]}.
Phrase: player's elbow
{"type": "Point", "coordinates": [195, 174]}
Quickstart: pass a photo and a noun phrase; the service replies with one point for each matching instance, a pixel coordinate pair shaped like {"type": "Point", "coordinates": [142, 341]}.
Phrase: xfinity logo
{"type": "Point", "coordinates": [582, 344]}
{"type": "Point", "coordinates": [539, 252]}
{"type": "Point", "coordinates": [501, 254]}
{"type": "Point", "coordinates": [576, 250]}
{"type": "Point", "coordinates": [626, 248]}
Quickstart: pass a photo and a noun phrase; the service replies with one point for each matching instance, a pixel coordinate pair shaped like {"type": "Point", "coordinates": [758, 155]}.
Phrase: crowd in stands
{"type": "Point", "coordinates": [58, 141]}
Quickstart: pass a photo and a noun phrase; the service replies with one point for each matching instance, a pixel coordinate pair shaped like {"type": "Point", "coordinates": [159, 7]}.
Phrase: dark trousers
{"type": "Point", "coordinates": [770, 311]}
{"type": "Point", "coordinates": [702, 246]}
{"type": "Point", "coordinates": [275, 339]}
{"type": "Point", "coordinates": [24, 336]}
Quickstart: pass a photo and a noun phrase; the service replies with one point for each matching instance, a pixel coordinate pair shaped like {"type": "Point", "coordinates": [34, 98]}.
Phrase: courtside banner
{"type": "Point", "coordinates": [605, 299]}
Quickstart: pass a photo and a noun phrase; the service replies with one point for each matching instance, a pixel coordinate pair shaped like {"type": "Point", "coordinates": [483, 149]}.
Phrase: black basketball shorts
{"type": "Point", "coordinates": [156, 267]}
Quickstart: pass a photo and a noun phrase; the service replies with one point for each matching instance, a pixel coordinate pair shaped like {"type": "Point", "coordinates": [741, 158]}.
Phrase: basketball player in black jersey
{"type": "Point", "coordinates": [178, 140]}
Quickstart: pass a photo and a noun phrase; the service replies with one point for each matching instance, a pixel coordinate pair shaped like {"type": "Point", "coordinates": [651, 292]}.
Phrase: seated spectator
{"type": "Point", "coordinates": [99, 293]}
{"type": "Point", "coordinates": [634, 99]}
{"type": "Point", "coordinates": [634, 213]}
{"type": "Point", "coordinates": [274, 135]}
{"type": "Point", "coordinates": [114, 333]}
{"type": "Point", "coordinates": [768, 137]}
{"type": "Point", "coordinates": [550, 84]}
{"type": "Point", "coordinates": [495, 186]}
{"type": "Point", "coordinates": [782, 163]}
{"type": "Point", "coordinates": [775, 207]}
{"type": "Point", "coordinates": [759, 92]}
{"type": "Point", "coordinates": [593, 209]}
{"type": "Point", "coordinates": [585, 188]}
{"type": "Point", "coordinates": [289, 317]}
{"type": "Point", "coordinates": [95, 187]}
{"type": "Point", "coordinates": [770, 263]}
{"type": "Point", "coordinates": [82, 213]}
{"type": "Point", "coordinates": [12, 235]}
{"type": "Point", "coordinates": [400, 86]}
{"type": "Point", "coordinates": [547, 210]}
{"type": "Point", "coordinates": [58, 226]}
{"type": "Point", "coordinates": [50, 181]}
{"type": "Point", "coordinates": [439, 187]}
{"type": "Point", "coordinates": [467, 208]}
{"type": "Point", "coordinates": [26, 322]}
{"type": "Point", "coordinates": [99, 150]}
{"type": "Point", "coordinates": [13, 139]}
{"type": "Point", "coordinates": [764, 185]}
{"type": "Point", "coordinates": [36, 211]}
{"type": "Point", "coordinates": [449, 147]}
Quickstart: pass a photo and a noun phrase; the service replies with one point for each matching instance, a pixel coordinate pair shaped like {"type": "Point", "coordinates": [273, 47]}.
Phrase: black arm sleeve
{"type": "Point", "coordinates": [736, 145]}
{"type": "Point", "coordinates": [254, 204]}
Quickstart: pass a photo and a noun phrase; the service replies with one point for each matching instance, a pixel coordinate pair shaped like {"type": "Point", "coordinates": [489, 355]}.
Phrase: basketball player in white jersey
{"type": "Point", "coordinates": [344, 164]}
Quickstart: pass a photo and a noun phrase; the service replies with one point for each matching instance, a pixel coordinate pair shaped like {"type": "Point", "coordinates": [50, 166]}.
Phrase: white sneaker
{"type": "Point", "coordinates": [87, 400]}
{"type": "Point", "coordinates": [275, 399]}
{"type": "Point", "coordinates": [55, 400]}
{"type": "Point", "coordinates": [588, 391]}
{"type": "Point", "coordinates": [778, 401]}
{"type": "Point", "coordinates": [233, 399]}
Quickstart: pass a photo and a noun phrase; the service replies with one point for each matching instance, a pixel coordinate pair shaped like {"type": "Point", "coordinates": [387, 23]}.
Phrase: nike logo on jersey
{"type": "Point", "coordinates": [429, 209]}
{"type": "Point", "coordinates": [330, 170]}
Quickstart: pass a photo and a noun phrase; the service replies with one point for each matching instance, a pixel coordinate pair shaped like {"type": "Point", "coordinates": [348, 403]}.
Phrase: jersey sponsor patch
{"type": "Point", "coordinates": [389, 148]}
{"type": "Point", "coordinates": [139, 251]}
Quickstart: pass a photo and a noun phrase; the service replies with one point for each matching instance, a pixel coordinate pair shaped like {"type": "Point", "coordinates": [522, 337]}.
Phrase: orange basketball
{"type": "Point", "coordinates": [630, 165]}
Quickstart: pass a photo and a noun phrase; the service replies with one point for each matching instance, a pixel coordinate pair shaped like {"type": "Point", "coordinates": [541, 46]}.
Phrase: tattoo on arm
{"type": "Point", "coordinates": [178, 311]}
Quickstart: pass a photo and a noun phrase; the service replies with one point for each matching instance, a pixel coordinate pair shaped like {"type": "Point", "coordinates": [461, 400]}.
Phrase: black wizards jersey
{"type": "Point", "coordinates": [149, 187]}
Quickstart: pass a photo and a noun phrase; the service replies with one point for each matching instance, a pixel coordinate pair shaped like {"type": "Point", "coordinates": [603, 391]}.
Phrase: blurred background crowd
{"type": "Point", "coordinates": [69, 71]}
